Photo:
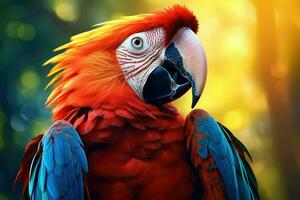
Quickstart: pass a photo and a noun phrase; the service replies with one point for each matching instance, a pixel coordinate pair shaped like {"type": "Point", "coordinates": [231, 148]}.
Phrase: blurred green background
{"type": "Point", "coordinates": [253, 80]}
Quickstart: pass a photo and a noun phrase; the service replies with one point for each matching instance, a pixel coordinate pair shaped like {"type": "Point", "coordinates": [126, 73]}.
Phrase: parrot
{"type": "Point", "coordinates": [116, 134]}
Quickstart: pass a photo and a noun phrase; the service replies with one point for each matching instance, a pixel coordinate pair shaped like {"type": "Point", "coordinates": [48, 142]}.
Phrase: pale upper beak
{"type": "Point", "coordinates": [194, 60]}
{"type": "Point", "coordinates": [184, 66]}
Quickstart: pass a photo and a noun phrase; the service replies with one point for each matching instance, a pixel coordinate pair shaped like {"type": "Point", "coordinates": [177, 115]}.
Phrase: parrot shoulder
{"type": "Point", "coordinates": [54, 165]}
{"type": "Point", "coordinates": [219, 158]}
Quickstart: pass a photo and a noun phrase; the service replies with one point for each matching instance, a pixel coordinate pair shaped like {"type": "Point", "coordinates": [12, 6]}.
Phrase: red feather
{"type": "Point", "coordinates": [23, 173]}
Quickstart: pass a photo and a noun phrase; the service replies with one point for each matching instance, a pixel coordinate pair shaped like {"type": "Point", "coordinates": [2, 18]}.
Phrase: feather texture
{"type": "Point", "coordinates": [57, 168]}
{"type": "Point", "coordinates": [210, 142]}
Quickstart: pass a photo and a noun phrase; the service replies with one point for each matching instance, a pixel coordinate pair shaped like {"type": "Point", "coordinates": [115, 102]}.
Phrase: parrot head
{"type": "Point", "coordinates": [156, 57]}
{"type": "Point", "coordinates": [159, 67]}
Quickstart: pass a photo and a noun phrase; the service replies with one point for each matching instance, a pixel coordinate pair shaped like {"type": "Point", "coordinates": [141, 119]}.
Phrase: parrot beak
{"type": "Point", "coordinates": [184, 66]}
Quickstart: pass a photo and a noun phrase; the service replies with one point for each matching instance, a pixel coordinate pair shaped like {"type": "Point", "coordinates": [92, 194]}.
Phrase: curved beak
{"type": "Point", "coordinates": [194, 60]}
{"type": "Point", "coordinates": [184, 66]}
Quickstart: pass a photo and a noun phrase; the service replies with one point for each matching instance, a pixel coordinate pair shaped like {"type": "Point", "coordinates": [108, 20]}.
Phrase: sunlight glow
{"type": "Point", "coordinates": [66, 10]}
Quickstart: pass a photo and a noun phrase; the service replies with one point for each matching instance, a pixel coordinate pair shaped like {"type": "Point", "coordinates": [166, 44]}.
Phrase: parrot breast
{"type": "Point", "coordinates": [136, 153]}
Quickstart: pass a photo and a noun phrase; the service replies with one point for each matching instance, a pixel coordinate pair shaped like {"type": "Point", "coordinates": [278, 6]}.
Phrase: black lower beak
{"type": "Point", "coordinates": [168, 81]}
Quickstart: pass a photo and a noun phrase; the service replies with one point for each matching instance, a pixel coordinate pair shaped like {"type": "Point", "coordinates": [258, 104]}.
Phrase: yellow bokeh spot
{"type": "Point", "coordinates": [235, 44]}
{"type": "Point", "coordinates": [66, 10]}
{"type": "Point", "coordinates": [11, 28]}
{"type": "Point", "coordinates": [234, 120]}
{"type": "Point", "coordinates": [23, 31]}
{"type": "Point", "coordinates": [30, 80]}
{"type": "Point", "coordinates": [26, 32]}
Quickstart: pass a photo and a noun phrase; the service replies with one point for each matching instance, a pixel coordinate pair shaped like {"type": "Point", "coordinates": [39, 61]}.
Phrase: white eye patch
{"type": "Point", "coordinates": [138, 56]}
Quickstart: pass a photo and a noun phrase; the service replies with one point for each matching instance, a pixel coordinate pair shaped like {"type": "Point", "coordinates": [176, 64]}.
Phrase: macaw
{"type": "Point", "coordinates": [116, 134]}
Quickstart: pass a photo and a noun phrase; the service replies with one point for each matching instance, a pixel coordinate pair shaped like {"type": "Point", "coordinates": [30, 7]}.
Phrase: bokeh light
{"type": "Point", "coordinates": [66, 9]}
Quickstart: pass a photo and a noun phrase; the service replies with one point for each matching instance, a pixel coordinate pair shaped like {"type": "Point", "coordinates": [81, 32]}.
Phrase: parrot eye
{"type": "Point", "coordinates": [137, 43]}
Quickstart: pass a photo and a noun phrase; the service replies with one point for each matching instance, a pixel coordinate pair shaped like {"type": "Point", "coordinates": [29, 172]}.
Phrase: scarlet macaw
{"type": "Point", "coordinates": [116, 135]}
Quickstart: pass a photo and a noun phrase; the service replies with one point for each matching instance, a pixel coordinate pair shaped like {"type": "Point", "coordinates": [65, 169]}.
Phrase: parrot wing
{"type": "Point", "coordinates": [58, 166]}
{"type": "Point", "coordinates": [220, 159]}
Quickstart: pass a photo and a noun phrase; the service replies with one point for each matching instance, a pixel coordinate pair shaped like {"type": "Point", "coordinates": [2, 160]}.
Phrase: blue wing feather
{"type": "Point", "coordinates": [221, 153]}
{"type": "Point", "coordinates": [57, 172]}
{"type": "Point", "coordinates": [231, 166]}
{"type": "Point", "coordinates": [244, 191]}
{"type": "Point", "coordinates": [246, 177]}
{"type": "Point", "coordinates": [42, 178]}
{"type": "Point", "coordinates": [33, 173]}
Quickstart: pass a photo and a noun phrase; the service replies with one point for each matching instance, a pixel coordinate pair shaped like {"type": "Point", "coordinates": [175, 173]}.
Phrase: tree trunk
{"type": "Point", "coordinates": [276, 86]}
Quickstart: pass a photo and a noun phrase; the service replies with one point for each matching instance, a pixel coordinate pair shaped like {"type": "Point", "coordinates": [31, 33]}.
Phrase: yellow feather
{"type": "Point", "coordinates": [65, 46]}
{"type": "Point", "coordinates": [103, 29]}
{"type": "Point", "coordinates": [55, 69]}
{"type": "Point", "coordinates": [55, 59]}
{"type": "Point", "coordinates": [53, 80]}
